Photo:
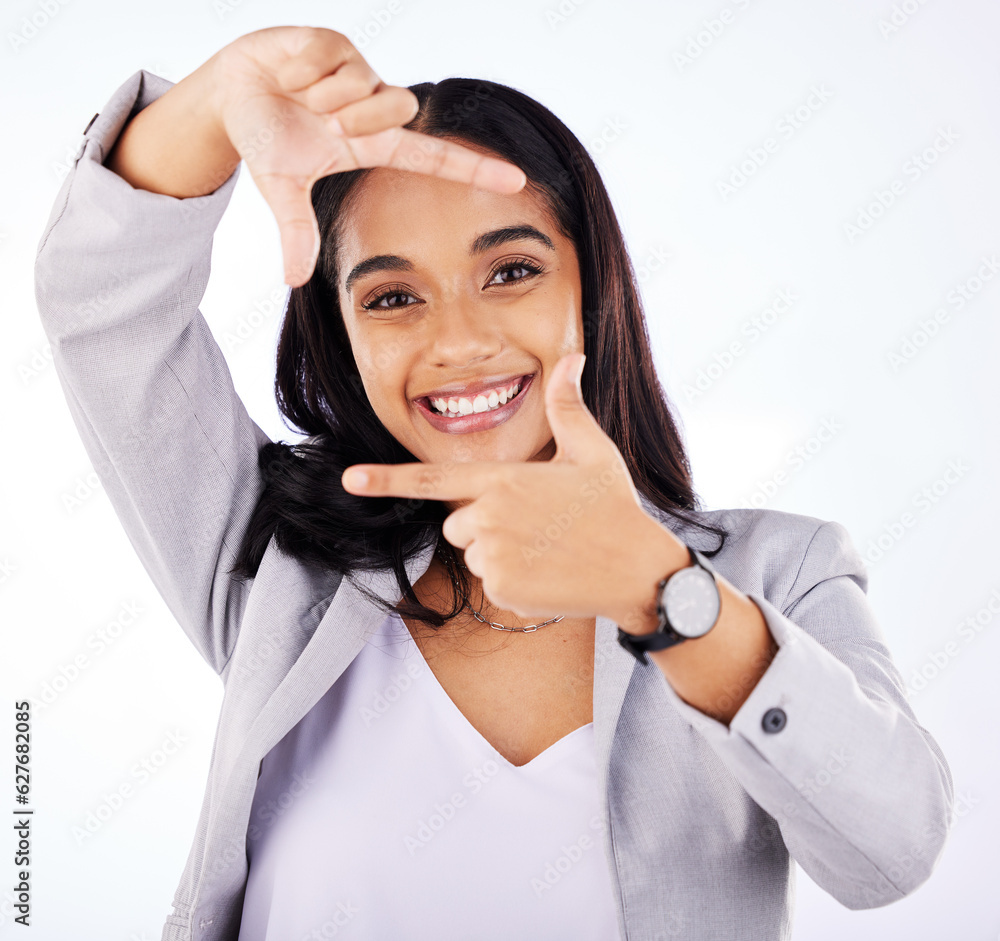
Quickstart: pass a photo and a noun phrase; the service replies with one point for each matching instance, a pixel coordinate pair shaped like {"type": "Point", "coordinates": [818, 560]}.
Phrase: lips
{"type": "Point", "coordinates": [476, 421]}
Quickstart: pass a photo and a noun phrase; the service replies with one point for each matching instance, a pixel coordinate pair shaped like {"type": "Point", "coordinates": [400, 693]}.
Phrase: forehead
{"type": "Point", "coordinates": [411, 213]}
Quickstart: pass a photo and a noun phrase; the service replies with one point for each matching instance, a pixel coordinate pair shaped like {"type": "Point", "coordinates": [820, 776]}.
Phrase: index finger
{"type": "Point", "coordinates": [466, 481]}
{"type": "Point", "coordinates": [403, 149]}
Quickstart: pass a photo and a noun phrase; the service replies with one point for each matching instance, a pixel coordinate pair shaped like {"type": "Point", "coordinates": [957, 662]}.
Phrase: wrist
{"type": "Point", "coordinates": [205, 89]}
{"type": "Point", "coordinates": [655, 556]}
{"type": "Point", "coordinates": [176, 145]}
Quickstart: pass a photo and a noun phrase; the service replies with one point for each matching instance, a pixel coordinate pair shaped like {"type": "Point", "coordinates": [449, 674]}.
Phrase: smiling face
{"type": "Point", "coordinates": [450, 293]}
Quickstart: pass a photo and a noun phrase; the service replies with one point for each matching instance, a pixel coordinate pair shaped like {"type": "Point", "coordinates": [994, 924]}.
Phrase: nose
{"type": "Point", "coordinates": [463, 332]}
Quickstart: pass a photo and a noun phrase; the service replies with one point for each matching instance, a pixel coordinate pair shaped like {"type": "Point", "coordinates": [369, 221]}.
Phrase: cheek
{"type": "Point", "coordinates": [562, 323]}
{"type": "Point", "coordinates": [383, 366]}
{"type": "Point", "coordinates": [560, 331]}
{"type": "Point", "coordinates": [385, 352]}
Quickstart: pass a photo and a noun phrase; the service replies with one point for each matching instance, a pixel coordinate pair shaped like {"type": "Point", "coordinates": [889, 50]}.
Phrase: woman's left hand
{"type": "Point", "coordinates": [566, 536]}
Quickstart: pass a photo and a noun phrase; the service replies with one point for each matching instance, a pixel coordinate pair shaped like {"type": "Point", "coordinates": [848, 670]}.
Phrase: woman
{"type": "Point", "coordinates": [702, 697]}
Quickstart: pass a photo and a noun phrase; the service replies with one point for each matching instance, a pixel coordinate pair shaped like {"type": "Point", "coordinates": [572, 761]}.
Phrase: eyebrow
{"type": "Point", "coordinates": [482, 243]}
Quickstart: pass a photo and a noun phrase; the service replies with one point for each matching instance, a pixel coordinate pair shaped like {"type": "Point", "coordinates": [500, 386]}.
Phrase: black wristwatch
{"type": "Point", "coordinates": [688, 604]}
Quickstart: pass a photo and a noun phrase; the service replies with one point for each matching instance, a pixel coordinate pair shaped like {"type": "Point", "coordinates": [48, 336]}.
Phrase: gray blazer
{"type": "Point", "coordinates": [701, 820]}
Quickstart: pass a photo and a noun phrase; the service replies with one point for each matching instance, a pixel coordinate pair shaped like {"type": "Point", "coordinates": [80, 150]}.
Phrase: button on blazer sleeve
{"type": "Point", "coordinates": [119, 275]}
{"type": "Point", "coordinates": [827, 742]}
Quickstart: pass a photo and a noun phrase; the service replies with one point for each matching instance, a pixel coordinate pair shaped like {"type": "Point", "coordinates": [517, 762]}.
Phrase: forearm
{"type": "Point", "coordinates": [714, 673]}
{"type": "Point", "coordinates": [177, 145]}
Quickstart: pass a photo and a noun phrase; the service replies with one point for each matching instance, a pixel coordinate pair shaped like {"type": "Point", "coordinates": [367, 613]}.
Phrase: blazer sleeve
{"type": "Point", "coordinates": [119, 275]}
{"type": "Point", "coordinates": [861, 792]}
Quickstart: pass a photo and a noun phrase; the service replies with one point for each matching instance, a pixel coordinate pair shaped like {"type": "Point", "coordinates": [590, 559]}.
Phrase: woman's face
{"type": "Point", "coordinates": [443, 308]}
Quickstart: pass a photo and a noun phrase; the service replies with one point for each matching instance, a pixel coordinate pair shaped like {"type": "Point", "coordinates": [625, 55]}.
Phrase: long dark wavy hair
{"type": "Point", "coordinates": [320, 392]}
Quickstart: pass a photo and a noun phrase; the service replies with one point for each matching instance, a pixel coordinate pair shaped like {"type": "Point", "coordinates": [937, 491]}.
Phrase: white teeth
{"type": "Point", "coordinates": [479, 403]}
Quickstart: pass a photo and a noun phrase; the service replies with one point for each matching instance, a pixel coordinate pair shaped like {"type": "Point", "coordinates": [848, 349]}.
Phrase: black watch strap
{"type": "Point", "coordinates": [639, 645]}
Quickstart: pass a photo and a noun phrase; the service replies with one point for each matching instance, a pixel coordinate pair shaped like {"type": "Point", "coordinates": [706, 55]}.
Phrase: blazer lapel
{"type": "Point", "coordinates": [613, 668]}
{"type": "Point", "coordinates": [338, 639]}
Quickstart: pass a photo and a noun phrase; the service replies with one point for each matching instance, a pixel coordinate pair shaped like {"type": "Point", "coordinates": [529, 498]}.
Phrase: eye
{"type": "Point", "coordinates": [393, 291]}
{"type": "Point", "coordinates": [518, 264]}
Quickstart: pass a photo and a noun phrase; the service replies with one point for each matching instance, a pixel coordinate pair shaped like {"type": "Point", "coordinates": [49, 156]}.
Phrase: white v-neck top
{"type": "Point", "coordinates": [384, 814]}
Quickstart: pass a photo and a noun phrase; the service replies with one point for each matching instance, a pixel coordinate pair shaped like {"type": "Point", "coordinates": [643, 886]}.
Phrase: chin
{"type": "Point", "coordinates": [466, 452]}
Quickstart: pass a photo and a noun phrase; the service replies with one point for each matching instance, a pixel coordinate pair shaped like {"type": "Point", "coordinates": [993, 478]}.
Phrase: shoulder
{"type": "Point", "coordinates": [746, 528]}
{"type": "Point", "coordinates": [780, 531]}
{"type": "Point", "coordinates": [794, 536]}
{"type": "Point", "coordinates": [783, 554]}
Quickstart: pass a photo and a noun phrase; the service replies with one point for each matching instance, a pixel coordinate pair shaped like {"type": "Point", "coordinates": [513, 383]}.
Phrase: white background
{"type": "Point", "coordinates": [671, 131]}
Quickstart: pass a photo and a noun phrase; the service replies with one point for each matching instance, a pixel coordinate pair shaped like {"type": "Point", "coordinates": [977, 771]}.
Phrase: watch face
{"type": "Point", "coordinates": [691, 601]}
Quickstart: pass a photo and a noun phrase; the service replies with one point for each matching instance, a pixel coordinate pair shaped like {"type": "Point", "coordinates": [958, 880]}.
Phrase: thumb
{"type": "Point", "coordinates": [576, 432]}
{"type": "Point", "coordinates": [291, 204]}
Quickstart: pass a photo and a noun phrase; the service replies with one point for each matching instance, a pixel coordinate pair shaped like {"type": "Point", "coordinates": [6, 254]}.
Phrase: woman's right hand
{"type": "Point", "coordinates": [299, 103]}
